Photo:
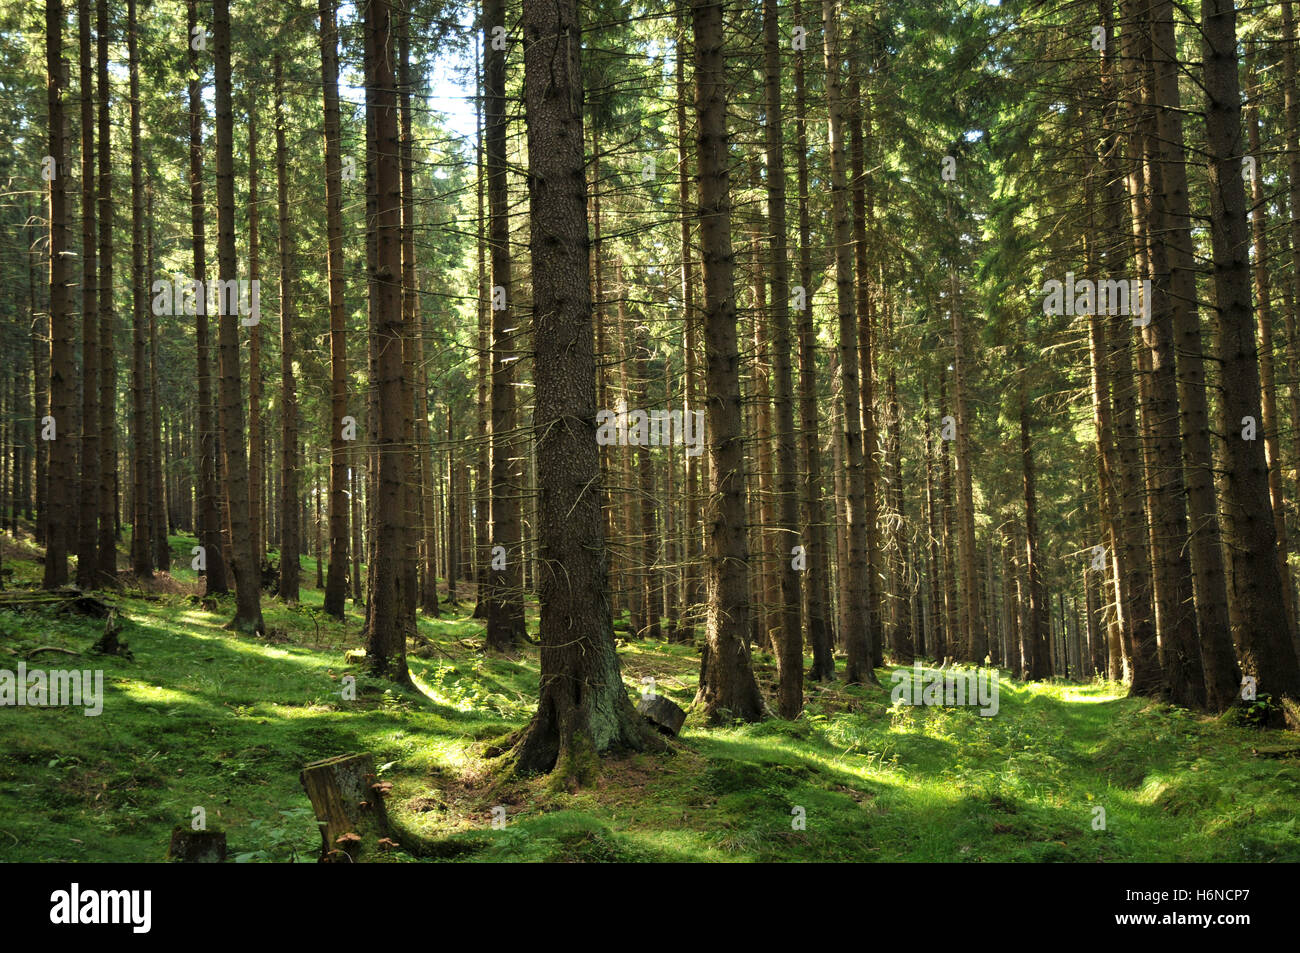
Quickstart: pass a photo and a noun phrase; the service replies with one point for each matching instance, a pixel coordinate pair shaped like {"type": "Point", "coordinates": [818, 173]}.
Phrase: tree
{"type": "Point", "coordinates": [859, 665]}
{"type": "Point", "coordinates": [88, 486]}
{"type": "Point", "coordinates": [289, 532]}
{"type": "Point", "coordinates": [1255, 602]}
{"type": "Point", "coordinates": [245, 567]}
{"type": "Point", "coordinates": [62, 453]}
{"type": "Point", "coordinates": [505, 613]}
{"type": "Point", "coordinates": [336, 582]}
{"type": "Point", "coordinates": [386, 623]}
{"type": "Point", "coordinates": [583, 709]}
{"type": "Point", "coordinates": [727, 688]}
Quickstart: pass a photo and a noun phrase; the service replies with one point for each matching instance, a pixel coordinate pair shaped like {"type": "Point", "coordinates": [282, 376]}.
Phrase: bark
{"type": "Point", "coordinates": [813, 538]}
{"type": "Point", "coordinates": [583, 709]}
{"type": "Point", "coordinates": [727, 686]}
{"type": "Point", "coordinates": [106, 542]}
{"type": "Point", "coordinates": [244, 565]}
{"type": "Point", "coordinates": [209, 511]}
{"type": "Point", "coordinates": [88, 488]}
{"type": "Point", "coordinates": [789, 636]}
{"type": "Point", "coordinates": [505, 612]}
{"type": "Point", "coordinates": [336, 580]}
{"type": "Point", "coordinates": [289, 529]}
{"type": "Point", "coordinates": [1038, 662]}
{"type": "Point", "coordinates": [62, 450]}
{"type": "Point", "coordinates": [141, 445]}
{"type": "Point", "coordinates": [857, 638]}
{"type": "Point", "coordinates": [386, 624]}
{"type": "Point", "coordinates": [1256, 606]}
{"type": "Point", "coordinates": [1190, 661]}
{"type": "Point", "coordinates": [158, 528]}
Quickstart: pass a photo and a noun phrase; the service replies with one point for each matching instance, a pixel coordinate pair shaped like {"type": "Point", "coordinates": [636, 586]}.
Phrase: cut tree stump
{"type": "Point", "coordinates": [349, 806]}
{"type": "Point", "coordinates": [109, 643]}
{"type": "Point", "coordinates": [665, 715]}
{"type": "Point", "coordinates": [196, 847]}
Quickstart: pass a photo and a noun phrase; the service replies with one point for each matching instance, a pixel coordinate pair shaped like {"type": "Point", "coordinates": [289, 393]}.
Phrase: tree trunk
{"type": "Point", "coordinates": [857, 638]}
{"type": "Point", "coordinates": [289, 529]}
{"type": "Point", "coordinates": [583, 708]}
{"type": "Point", "coordinates": [727, 686]}
{"type": "Point", "coordinates": [336, 580]}
{"type": "Point", "coordinates": [141, 465]}
{"type": "Point", "coordinates": [106, 558]}
{"type": "Point", "coordinates": [505, 624]}
{"type": "Point", "coordinates": [88, 489]}
{"type": "Point", "coordinates": [248, 582]}
{"type": "Point", "coordinates": [1255, 602]}
{"type": "Point", "coordinates": [386, 625]}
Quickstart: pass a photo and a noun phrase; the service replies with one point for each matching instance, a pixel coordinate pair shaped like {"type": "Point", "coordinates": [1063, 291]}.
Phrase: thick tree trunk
{"type": "Point", "coordinates": [386, 626]}
{"type": "Point", "coordinates": [1255, 602]}
{"type": "Point", "coordinates": [583, 708]}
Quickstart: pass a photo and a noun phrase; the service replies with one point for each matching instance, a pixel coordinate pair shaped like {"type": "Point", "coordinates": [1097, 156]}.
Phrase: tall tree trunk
{"type": "Point", "coordinates": [864, 211]}
{"type": "Point", "coordinates": [1270, 421]}
{"type": "Point", "coordinates": [1255, 602]}
{"type": "Point", "coordinates": [289, 529]}
{"type": "Point", "coordinates": [813, 537]}
{"type": "Point", "coordinates": [583, 708]}
{"type": "Point", "coordinates": [1183, 649]}
{"type": "Point", "coordinates": [505, 625]}
{"type": "Point", "coordinates": [386, 624]}
{"type": "Point", "coordinates": [62, 449]}
{"type": "Point", "coordinates": [244, 564]}
{"type": "Point", "coordinates": [859, 666]}
{"type": "Point", "coordinates": [209, 530]}
{"type": "Point", "coordinates": [336, 580]}
{"type": "Point", "coordinates": [727, 688]}
{"type": "Point", "coordinates": [88, 499]}
{"type": "Point", "coordinates": [159, 542]}
{"type": "Point", "coordinates": [1038, 661]}
{"type": "Point", "coordinates": [256, 479]}
{"type": "Point", "coordinates": [790, 635]}
{"type": "Point", "coordinates": [141, 497]}
{"type": "Point", "coordinates": [106, 545]}
{"type": "Point", "coordinates": [974, 643]}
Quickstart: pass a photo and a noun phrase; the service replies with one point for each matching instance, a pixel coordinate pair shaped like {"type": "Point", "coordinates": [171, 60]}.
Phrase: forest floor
{"type": "Point", "coordinates": [202, 717]}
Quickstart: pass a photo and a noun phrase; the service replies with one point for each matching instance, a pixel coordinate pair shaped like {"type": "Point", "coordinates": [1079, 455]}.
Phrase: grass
{"type": "Point", "coordinates": [204, 718]}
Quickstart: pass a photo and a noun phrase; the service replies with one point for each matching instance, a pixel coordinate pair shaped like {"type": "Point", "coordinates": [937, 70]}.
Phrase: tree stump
{"type": "Point", "coordinates": [665, 715]}
{"type": "Point", "coordinates": [196, 847]}
{"type": "Point", "coordinates": [349, 805]}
